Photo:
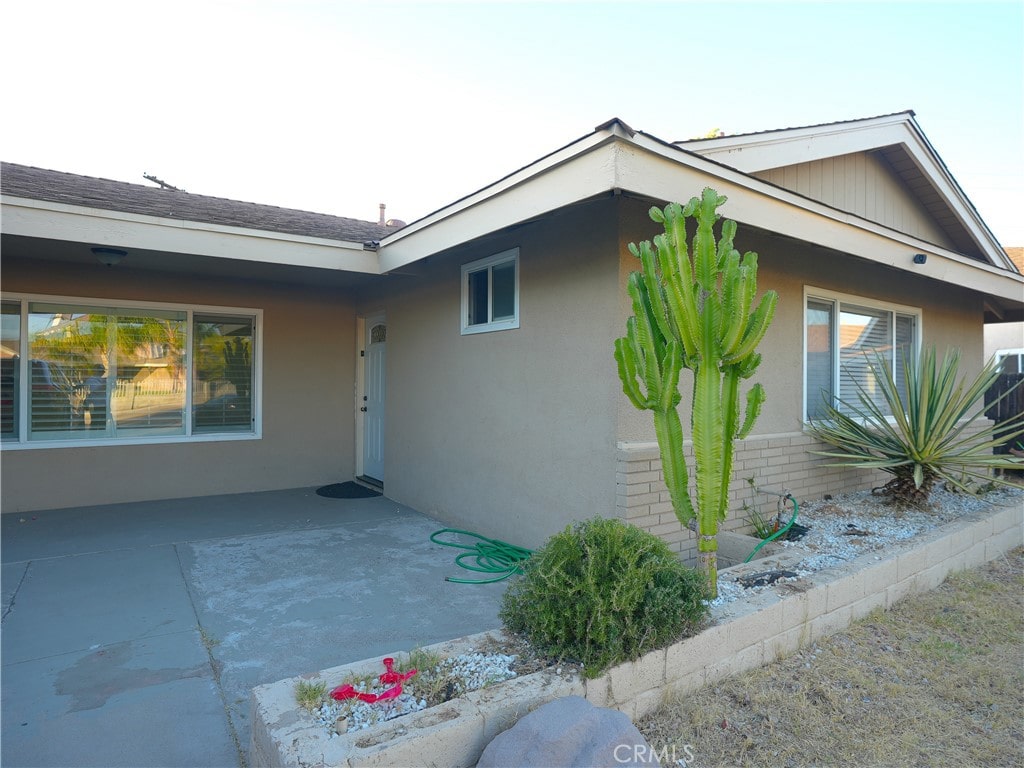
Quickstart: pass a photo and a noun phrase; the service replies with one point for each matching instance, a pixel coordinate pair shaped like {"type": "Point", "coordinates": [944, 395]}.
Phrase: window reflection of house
{"type": "Point", "coordinates": [840, 356]}
{"type": "Point", "coordinates": [123, 373]}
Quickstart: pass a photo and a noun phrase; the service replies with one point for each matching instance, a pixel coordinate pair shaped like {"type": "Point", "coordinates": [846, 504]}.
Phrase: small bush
{"type": "Point", "coordinates": [603, 592]}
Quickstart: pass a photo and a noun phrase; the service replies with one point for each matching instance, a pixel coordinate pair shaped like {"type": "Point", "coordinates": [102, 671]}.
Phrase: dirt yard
{"type": "Point", "coordinates": [939, 680]}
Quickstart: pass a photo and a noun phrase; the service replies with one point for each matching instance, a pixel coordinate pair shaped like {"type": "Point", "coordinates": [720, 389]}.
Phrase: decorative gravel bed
{"type": "Point", "coordinates": [458, 674]}
{"type": "Point", "coordinates": [845, 527]}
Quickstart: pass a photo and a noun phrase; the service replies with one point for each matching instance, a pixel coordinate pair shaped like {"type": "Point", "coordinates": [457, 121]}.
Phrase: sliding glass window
{"type": "Point", "coordinates": [125, 372]}
{"type": "Point", "coordinates": [844, 338]}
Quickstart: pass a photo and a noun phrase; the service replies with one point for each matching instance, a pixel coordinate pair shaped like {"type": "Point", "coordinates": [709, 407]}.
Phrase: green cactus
{"type": "Point", "coordinates": [692, 308]}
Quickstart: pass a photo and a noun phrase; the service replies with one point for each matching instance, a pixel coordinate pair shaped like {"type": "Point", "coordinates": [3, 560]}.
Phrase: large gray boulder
{"type": "Point", "coordinates": [570, 733]}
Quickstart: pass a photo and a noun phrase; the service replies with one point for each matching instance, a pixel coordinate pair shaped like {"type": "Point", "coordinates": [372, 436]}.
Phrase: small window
{"type": "Point", "coordinates": [490, 293]}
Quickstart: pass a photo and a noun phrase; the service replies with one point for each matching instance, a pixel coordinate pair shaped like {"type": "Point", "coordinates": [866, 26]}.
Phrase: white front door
{"type": "Point", "coordinates": [373, 399]}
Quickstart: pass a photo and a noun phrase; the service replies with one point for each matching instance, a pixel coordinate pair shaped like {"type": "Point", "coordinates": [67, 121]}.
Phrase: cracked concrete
{"type": "Point", "coordinates": [133, 633]}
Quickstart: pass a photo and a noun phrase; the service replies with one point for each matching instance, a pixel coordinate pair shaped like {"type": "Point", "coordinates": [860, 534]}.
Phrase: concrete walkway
{"type": "Point", "coordinates": [133, 633]}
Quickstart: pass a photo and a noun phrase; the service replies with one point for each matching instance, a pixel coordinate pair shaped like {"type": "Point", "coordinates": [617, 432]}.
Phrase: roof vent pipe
{"type": "Point", "coordinates": [383, 218]}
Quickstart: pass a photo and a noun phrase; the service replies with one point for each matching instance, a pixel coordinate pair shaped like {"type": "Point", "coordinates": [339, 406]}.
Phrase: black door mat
{"type": "Point", "coordinates": [347, 490]}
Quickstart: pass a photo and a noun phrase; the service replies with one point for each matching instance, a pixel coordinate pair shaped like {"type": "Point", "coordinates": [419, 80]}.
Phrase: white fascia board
{"type": "Point", "coordinates": [581, 170]}
{"type": "Point", "coordinates": [932, 166]}
{"type": "Point", "coordinates": [651, 169]}
{"type": "Point", "coordinates": [752, 153]}
{"type": "Point", "coordinates": [58, 221]}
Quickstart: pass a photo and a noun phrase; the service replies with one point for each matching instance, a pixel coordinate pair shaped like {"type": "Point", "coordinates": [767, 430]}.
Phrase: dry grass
{"type": "Point", "coordinates": [939, 680]}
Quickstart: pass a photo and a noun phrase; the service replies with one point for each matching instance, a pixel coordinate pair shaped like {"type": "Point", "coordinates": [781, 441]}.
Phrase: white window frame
{"type": "Point", "coordinates": [511, 255]}
{"type": "Point", "coordinates": [22, 442]}
{"type": "Point", "coordinates": [1002, 354]}
{"type": "Point", "coordinates": [825, 295]}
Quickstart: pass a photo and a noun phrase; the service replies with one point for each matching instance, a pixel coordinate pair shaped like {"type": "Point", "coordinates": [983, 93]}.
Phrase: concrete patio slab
{"type": "Point", "coordinates": [133, 633]}
{"type": "Point", "coordinates": [149, 702]}
{"type": "Point", "coordinates": [100, 598]}
{"type": "Point", "coordinates": [10, 579]}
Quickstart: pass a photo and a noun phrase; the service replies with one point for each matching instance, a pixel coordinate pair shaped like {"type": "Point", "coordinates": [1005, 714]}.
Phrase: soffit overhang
{"type": "Point", "coordinates": [48, 220]}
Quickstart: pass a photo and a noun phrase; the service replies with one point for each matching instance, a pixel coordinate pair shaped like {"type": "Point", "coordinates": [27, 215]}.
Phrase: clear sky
{"type": "Point", "coordinates": [338, 106]}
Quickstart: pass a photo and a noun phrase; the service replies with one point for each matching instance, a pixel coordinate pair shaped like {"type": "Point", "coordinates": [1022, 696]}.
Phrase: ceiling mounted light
{"type": "Point", "coordinates": [920, 258]}
{"type": "Point", "coordinates": [109, 256]}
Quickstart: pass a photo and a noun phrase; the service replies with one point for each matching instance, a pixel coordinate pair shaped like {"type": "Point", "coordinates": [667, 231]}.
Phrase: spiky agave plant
{"type": "Point", "coordinates": [926, 435]}
{"type": "Point", "coordinates": [693, 308]}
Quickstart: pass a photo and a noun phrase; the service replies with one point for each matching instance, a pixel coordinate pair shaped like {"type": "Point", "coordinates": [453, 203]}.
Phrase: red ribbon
{"type": "Point", "coordinates": [346, 691]}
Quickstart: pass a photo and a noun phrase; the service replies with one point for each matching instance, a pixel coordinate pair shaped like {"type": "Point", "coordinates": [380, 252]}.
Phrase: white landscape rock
{"type": "Point", "coordinates": [844, 528]}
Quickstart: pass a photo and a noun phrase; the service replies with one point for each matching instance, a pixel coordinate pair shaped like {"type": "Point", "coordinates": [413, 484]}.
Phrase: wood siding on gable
{"type": "Point", "coordinates": [862, 183]}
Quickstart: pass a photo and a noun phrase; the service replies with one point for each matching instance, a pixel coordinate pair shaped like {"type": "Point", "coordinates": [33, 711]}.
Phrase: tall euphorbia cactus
{"type": "Point", "coordinates": [693, 309]}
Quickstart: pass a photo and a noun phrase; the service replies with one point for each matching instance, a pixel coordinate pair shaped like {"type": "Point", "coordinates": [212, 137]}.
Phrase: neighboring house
{"type": "Point", "coordinates": [465, 360]}
{"type": "Point", "coordinates": [1006, 340]}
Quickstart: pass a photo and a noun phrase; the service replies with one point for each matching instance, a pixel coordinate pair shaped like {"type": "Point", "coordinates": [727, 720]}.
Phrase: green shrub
{"type": "Point", "coordinates": [602, 592]}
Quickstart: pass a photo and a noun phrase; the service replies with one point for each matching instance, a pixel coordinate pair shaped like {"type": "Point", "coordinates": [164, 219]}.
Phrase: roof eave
{"type": "Point", "coordinates": [97, 226]}
{"type": "Point", "coordinates": [577, 171]}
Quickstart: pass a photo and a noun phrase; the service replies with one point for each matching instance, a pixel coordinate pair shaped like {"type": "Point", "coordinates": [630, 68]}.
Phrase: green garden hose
{"type": "Point", "coordinates": [486, 556]}
{"type": "Point", "coordinates": [782, 531]}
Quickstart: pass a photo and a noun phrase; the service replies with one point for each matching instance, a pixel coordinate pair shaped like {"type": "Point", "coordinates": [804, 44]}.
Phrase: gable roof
{"type": "Point", "coordinates": [896, 138]}
{"type": "Point", "coordinates": [612, 159]}
{"type": "Point", "coordinates": [58, 187]}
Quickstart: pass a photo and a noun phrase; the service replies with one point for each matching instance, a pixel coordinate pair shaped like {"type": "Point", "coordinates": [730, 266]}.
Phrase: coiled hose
{"type": "Point", "coordinates": [783, 497]}
{"type": "Point", "coordinates": [489, 556]}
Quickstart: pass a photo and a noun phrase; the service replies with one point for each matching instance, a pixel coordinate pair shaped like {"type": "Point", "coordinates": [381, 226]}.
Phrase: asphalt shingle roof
{"type": "Point", "coordinates": [71, 189]}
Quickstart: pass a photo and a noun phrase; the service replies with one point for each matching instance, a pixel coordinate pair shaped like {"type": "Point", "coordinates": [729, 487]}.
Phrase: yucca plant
{"type": "Point", "coordinates": [929, 435]}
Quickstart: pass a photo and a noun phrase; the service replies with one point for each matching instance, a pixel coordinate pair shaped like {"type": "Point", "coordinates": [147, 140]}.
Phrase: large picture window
{"type": "Point", "coordinates": [136, 372]}
{"type": "Point", "coordinates": [490, 293]}
{"type": "Point", "coordinates": [843, 336]}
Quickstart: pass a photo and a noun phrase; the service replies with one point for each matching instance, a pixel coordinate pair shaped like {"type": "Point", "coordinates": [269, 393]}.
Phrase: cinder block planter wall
{"type": "Point", "coordinates": [744, 635]}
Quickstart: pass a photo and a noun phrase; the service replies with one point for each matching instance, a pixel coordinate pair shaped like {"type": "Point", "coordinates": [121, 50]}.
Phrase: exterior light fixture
{"type": "Point", "coordinates": [109, 256]}
{"type": "Point", "coordinates": [920, 258]}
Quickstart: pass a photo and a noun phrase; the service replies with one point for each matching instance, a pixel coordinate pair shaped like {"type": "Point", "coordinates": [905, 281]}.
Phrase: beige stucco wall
{"type": "Point", "coordinates": [951, 316]}
{"type": "Point", "coordinates": [510, 433]}
{"type": "Point", "coordinates": [308, 370]}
